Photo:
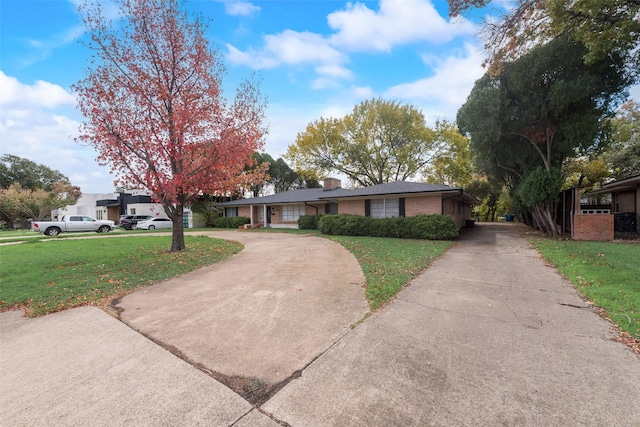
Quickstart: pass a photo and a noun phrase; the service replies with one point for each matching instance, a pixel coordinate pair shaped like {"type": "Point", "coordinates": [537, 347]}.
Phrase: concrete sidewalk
{"type": "Point", "coordinates": [82, 367]}
{"type": "Point", "coordinates": [488, 335]}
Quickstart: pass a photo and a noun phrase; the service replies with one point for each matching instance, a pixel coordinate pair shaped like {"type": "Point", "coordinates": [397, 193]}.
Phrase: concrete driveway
{"type": "Point", "coordinates": [259, 317]}
{"type": "Point", "coordinates": [488, 335]}
{"type": "Point", "coordinates": [252, 321]}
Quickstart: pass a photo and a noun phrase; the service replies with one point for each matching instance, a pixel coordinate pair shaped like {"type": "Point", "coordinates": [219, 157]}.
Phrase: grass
{"type": "Point", "coordinates": [44, 276]}
{"type": "Point", "coordinates": [606, 273]}
{"type": "Point", "coordinates": [389, 264]}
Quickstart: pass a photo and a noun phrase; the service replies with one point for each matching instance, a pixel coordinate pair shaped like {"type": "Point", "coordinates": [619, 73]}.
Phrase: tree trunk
{"type": "Point", "coordinates": [177, 235]}
{"type": "Point", "coordinates": [544, 221]}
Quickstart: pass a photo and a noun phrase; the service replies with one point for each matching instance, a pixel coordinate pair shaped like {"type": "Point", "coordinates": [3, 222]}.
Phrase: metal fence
{"type": "Point", "coordinates": [626, 225]}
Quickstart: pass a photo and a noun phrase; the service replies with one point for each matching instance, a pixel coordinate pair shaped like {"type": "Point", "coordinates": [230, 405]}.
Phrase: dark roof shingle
{"type": "Point", "coordinates": [320, 195]}
{"type": "Point", "coordinates": [397, 187]}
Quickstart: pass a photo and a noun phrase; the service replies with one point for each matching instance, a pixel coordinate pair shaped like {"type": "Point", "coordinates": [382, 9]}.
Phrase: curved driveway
{"type": "Point", "coordinates": [259, 316]}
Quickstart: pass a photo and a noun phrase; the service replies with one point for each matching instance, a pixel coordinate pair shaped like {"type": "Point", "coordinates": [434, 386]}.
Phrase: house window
{"type": "Point", "coordinates": [385, 208]}
{"type": "Point", "coordinates": [260, 213]}
{"type": "Point", "coordinates": [292, 212]}
{"type": "Point", "coordinates": [99, 215]}
{"type": "Point", "coordinates": [231, 212]}
{"type": "Point", "coordinates": [132, 211]}
{"type": "Point", "coordinates": [331, 208]}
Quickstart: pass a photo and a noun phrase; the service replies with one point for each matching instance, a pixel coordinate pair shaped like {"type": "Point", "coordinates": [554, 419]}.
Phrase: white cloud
{"type": "Point", "coordinates": [362, 92]}
{"type": "Point", "coordinates": [288, 47]}
{"type": "Point", "coordinates": [447, 89]}
{"type": "Point", "coordinates": [41, 94]}
{"type": "Point", "coordinates": [285, 122]}
{"type": "Point", "coordinates": [334, 71]}
{"type": "Point", "coordinates": [357, 28]}
{"type": "Point", "coordinates": [41, 49]}
{"type": "Point", "coordinates": [38, 122]}
{"type": "Point", "coordinates": [397, 22]}
{"type": "Point", "coordinates": [322, 83]}
{"type": "Point", "coordinates": [240, 8]}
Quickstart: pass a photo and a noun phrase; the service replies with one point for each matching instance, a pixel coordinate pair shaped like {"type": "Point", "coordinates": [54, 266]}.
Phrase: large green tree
{"type": "Point", "coordinates": [378, 142]}
{"type": "Point", "coordinates": [279, 176]}
{"type": "Point", "coordinates": [37, 203]}
{"type": "Point", "coordinates": [452, 166]}
{"type": "Point", "coordinates": [624, 154]}
{"type": "Point", "coordinates": [31, 191]}
{"type": "Point", "coordinates": [27, 173]}
{"type": "Point", "coordinates": [489, 194]}
{"type": "Point", "coordinates": [602, 26]}
{"type": "Point", "coordinates": [544, 108]}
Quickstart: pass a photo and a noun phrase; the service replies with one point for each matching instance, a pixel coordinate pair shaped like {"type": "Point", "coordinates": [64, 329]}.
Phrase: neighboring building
{"type": "Point", "coordinates": [393, 199]}
{"type": "Point", "coordinates": [112, 205]}
{"type": "Point", "coordinates": [625, 205]}
{"type": "Point", "coordinates": [134, 203]}
{"type": "Point", "coordinates": [86, 205]}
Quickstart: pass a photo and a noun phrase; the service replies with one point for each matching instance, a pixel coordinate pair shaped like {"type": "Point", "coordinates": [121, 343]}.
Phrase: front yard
{"type": "Point", "coordinates": [605, 273]}
{"type": "Point", "coordinates": [44, 274]}
{"type": "Point", "coordinates": [53, 274]}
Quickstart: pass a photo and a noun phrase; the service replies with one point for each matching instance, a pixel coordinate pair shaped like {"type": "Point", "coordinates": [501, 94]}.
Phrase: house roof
{"type": "Point", "coordinates": [319, 195]}
{"type": "Point", "coordinates": [391, 188]}
{"type": "Point", "coordinates": [293, 196]}
{"type": "Point", "coordinates": [620, 185]}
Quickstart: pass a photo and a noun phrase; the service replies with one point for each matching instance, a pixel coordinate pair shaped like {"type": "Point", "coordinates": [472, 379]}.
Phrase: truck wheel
{"type": "Point", "coordinates": [152, 227]}
{"type": "Point", "coordinates": [52, 231]}
{"type": "Point", "coordinates": [104, 229]}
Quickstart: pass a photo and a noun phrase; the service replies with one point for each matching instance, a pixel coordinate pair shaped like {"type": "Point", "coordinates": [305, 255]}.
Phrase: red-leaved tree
{"type": "Point", "coordinates": [154, 109]}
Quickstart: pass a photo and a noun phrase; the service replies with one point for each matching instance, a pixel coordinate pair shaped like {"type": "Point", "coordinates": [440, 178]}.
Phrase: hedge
{"type": "Point", "coordinates": [428, 227]}
{"type": "Point", "coordinates": [308, 222]}
{"type": "Point", "coordinates": [231, 221]}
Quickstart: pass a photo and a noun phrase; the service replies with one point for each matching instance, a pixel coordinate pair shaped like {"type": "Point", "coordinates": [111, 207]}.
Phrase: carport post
{"type": "Point", "coordinates": [264, 216]}
{"type": "Point", "coordinates": [251, 214]}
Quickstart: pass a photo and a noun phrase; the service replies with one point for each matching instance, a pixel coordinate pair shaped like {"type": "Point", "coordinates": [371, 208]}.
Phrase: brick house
{"type": "Point", "coordinates": [400, 198]}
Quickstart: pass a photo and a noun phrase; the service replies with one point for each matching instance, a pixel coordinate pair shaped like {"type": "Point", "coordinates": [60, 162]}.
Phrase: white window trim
{"type": "Point", "coordinates": [297, 211]}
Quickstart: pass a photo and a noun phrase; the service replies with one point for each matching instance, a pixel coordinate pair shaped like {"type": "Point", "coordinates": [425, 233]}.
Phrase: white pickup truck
{"type": "Point", "coordinates": [72, 223]}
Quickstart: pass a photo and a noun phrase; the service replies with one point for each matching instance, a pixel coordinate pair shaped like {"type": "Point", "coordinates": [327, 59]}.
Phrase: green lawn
{"type": "Point", "coordinates": [53, 274]}
{"type": "Point", "coordinates": [606, 273]}
{"type": "Point", "coordinates": [48, 274]}
{"type": "Point", "coordinates": [389, 264]}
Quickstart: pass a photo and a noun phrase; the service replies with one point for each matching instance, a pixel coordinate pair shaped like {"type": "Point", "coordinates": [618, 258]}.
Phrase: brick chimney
{"type": "Point", "coordinates": [331, 184]}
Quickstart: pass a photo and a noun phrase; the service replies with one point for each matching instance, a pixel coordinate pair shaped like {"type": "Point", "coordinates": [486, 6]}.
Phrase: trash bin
{"type": "Point", "coordinates": [508, 217]}
{"type": "Point", "coordinates": [469, 223]}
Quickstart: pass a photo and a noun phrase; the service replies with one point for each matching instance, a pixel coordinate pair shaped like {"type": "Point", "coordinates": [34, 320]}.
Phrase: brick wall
{"type": "Point", "coordinates": [458, 210]}
{"type": "Point", "coordinates": [244, 211]}
{"type": "Point", "coordinates": [422, 205]}
{"type": "Point", "coordinates": [352, 207]}
{"type": "Point", "coordinates": [593, 227]}
{"type": "Point", "coordinates": [311, 209]}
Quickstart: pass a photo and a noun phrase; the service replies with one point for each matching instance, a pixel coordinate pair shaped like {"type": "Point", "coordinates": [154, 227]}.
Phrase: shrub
{"type": "Point", "coordinates": [308, 222]}
{"type": "Point", "coordinates": [429, 227]}
{"type": "Point", "coordinates": [231, 222]}
{"type": "Point", "coordinates": [433, 227]}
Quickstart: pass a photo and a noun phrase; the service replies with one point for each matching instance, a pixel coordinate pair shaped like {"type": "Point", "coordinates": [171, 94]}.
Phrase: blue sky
{"type": "Point", "coordinates": [317, 59]}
